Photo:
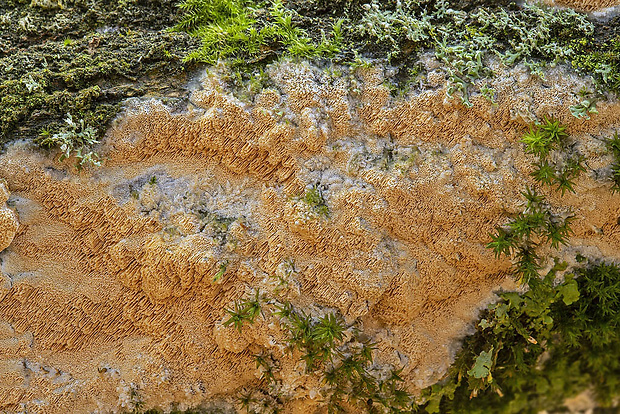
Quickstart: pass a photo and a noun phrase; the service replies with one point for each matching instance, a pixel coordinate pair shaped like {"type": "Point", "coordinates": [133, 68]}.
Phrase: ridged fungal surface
{"type": "Point", "coordinates": [587, 5]}
{"type": "Point", "coordinates": [8, 219]}
{"type": "Point", "coordinates": [108, 286]}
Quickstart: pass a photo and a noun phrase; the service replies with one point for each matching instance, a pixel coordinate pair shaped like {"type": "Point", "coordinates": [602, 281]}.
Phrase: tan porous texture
{"type": "Point", "coordinates": [108, 295]}
{"type": "Point", "coordinates": [8, 219]}
{"type": "Point", "coordinates": [585, 5]}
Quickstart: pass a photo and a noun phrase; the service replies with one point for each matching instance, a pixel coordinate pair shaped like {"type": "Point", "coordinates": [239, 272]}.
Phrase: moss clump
{"type": "Point", "coordinates": [532, 351]}
{"type": "Point", "coordinates": [538, 225]}
{"type": "Point", "coordinates": [600, 60]}
{"type": "Point", "coordinates": [27, 23]}
{"type": "Point", "coordinates": [545, 138]}
{"type": "Point", "coordinates": [527, 232]}
{"type": "Point", "coordinates": [249, 31]}
{"type": "Point", "coordinates": [314, 199]}
{"type": "Point", "coordinates": [337, 352]}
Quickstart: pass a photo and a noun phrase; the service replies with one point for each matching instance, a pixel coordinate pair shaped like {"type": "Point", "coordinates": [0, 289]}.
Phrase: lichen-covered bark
{"type": "Point", "coordinates": [83, 58]}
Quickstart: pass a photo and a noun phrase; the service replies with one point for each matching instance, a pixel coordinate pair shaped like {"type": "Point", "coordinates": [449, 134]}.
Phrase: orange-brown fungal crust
{"type": "Point", "coordinates": [8, 219]}
{"type": "Point", "coordinates": [586, 5]}
{"type": "Point", "coordinates": [108, 284]}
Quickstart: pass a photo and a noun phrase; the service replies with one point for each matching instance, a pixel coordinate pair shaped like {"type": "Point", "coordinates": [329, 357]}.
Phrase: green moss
{"type": "Point", "coordinates": [217, 407]}
{"type": "Point", "coordinates": [600, 60]}
{"type": "Point", "coordinates": [82, 58]}
{"type": "Point", "coordinates": [337, 352]}
{"type": "Point", "coordinates": [532, 351]}
{"type": "Point", "coordinates": [27, 23]}
{"type": "Point", "coordinates": [250, 31]}
{"type": "Point", "coordinates": [97, 53]}
{"type": "Point", "coordinates": [614, 148]}
{"type": "Point", "coordinates": [538, 226]}
{"type": "Point", "coordinates": [314, 198]}
{"type": "Point", "coordinates": [546, 138]}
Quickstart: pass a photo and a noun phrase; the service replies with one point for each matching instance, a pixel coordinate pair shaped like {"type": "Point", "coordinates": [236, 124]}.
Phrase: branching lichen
{"type": "Point", "coordinates": [532, 35]}
{"type": "Point", "coordinates": [75, 138]}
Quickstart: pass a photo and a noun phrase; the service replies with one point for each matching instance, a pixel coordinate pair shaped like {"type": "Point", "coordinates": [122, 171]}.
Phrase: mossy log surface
{"type": "Point", "coordinates": [83, 58]}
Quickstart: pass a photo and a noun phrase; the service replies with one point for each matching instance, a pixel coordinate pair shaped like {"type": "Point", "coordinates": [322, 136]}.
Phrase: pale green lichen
{"type": "Point", "coordinates": [74, 139]}
{"type": "Point", "coordinates": [463, 41]}
{"type": "Point", "coordinates": [583, 109]}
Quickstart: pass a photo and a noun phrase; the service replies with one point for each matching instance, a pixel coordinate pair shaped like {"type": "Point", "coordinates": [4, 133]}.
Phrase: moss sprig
{"type": "Point", "coordinates": [601, 60]}
{"type": "Point", "coordinates": [541, 140]}
{"type": "Point", "coordinates": [250, 32]}
{"type": "Point", "coordinates": [538, 225]}
{"type": "Point", "coordinates": [330, 348]}
{"type": "Point", "coordinates": [313, 197]}
{"type": "Point", "coordinates": [245, 311]}
{"type": "Point", "coordinates": [528, 231]}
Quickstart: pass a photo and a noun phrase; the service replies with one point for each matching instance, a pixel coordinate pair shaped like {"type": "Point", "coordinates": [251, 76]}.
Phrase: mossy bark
{"type": "Point", "coordinates": [84, 58]}
{"type": "Point", "coordinates": [60, 57]}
